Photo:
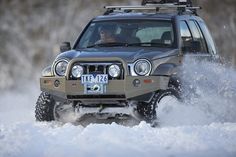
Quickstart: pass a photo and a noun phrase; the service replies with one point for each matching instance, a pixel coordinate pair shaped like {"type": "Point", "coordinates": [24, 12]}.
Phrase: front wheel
{"type": "Point", "coordinates": [47, 109]}
{"type": "Point", "coordinates": [44, 109]}
{"type": "Point", "coordinates": [167, 100]}
{"type": "Point", "coordinates": [150, 111]}
{"type": "Point", "coordinates": [170, 92]}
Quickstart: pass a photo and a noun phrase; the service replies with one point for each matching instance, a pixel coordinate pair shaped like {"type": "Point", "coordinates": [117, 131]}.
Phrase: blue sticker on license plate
{"type": "Point", "coordinates": [90, 79]}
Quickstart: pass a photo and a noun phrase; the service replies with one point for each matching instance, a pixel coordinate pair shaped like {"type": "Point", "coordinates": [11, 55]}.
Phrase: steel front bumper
{"type": "Point", "coordinates": [115, 90]}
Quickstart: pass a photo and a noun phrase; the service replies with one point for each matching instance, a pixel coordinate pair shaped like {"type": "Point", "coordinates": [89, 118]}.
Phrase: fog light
{"type": "Point", "coordinates": [56, 83]}
{"type": "Point", "coordinates": [136, 83]}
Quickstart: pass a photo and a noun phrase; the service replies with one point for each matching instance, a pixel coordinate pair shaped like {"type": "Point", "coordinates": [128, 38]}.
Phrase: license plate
{"type": "Point", "coordinates": [99, 78]}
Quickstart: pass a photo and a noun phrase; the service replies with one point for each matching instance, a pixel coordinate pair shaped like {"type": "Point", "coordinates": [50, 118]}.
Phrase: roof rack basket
{"type": "Point", "coordinates": [182, 6]}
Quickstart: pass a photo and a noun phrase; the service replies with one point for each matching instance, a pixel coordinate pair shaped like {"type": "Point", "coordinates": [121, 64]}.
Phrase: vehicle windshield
{"type": "Point", "coordinates": [144, 33]}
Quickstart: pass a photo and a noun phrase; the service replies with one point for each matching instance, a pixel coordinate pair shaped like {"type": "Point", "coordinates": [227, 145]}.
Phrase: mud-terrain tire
{"type": "Point", "coordinates": [44, 109]}
{"type": "Point", "coordinates": [171, 91]}
{"type": "Point", "coordinates": [148, 110]}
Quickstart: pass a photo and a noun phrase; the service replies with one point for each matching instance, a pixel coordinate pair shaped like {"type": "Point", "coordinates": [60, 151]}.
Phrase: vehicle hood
{"type": "Point", "coordinates": [128, 54]}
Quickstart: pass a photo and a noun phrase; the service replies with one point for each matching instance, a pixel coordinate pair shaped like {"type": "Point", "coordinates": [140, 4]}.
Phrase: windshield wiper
{"type": "Point", "coordinates": [139, 44]}
{"type": "Point", "coordinates": [107, 45]}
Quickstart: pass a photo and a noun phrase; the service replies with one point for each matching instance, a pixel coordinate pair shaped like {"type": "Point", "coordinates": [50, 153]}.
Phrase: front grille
{"type": "Point", "coordinates": [98, 68]}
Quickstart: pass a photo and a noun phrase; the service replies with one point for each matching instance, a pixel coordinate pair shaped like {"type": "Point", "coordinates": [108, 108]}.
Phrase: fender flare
{"type": "Point", "coordinates": [170, 70]}
{"type": "Point", "coordinates": [166, 69]}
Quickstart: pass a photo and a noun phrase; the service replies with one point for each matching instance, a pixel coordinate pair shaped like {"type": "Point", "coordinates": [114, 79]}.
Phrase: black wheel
{"type": "Point", "coordinates": [171, 91]}
{"type": "Point", "coordinates": [148, 110]}
{"type": "Point", "coordinates": [47, 109]}
{"type": "Point", "coordinates": [44, 110]}
{"type": "Point", "coordinates": [167, 101]}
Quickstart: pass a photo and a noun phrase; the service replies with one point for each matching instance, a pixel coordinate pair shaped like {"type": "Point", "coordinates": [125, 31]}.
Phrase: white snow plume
{"type": "Point", "coordinates": [211, 95]}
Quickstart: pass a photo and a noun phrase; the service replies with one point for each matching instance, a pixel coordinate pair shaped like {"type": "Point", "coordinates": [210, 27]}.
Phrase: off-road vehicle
{"type": "Point", "coordinates": [123, 64]}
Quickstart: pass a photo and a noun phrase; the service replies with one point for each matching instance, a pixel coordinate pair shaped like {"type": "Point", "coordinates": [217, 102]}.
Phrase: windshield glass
{"type": "Point", "coordinates": [152, 33]}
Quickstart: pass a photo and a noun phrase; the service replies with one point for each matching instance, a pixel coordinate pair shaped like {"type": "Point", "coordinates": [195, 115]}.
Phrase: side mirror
{"type": "Point", "coordinates": [192, 47]}
{"type": "Point", "coordinates": [65, 46]}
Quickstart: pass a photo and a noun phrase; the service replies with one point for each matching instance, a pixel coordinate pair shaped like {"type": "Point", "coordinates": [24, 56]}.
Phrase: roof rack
{"type": "Point", "coordinates": [182, 6]}
{"type": "Point", "coordinates": [177, 2]}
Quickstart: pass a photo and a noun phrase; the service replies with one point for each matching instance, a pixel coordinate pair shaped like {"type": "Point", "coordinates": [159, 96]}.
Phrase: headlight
{"type": "Point", "coordinates": [77, 71]}
{"type": "Point", "coordinates": [142, 67]}
{"type": "Point", "coordinates": [114, 71]}
{"type": "Point", "coordinates": [60, 67]}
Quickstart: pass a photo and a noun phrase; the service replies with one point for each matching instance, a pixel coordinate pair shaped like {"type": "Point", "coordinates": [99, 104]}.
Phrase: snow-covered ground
{"type": "Point", "coordinates": [204, 125]}
{"type": "Point", "coordinates": [49, 139]}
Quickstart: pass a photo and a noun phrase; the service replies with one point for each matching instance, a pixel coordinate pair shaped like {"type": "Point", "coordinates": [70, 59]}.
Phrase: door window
{"type": "Point", "coordinates": [185, 33]}
{"type": "Point", "coordinates": [210, 42]}
{"type": "Point", "coordinates": [197, 35]}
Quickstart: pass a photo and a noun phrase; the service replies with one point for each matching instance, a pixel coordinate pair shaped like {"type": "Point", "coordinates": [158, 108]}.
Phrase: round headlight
{"type": "Point", "coordinates": [77, 71]}
{"type": "Point", "coordinates": [142, 67]}
{"type": "Point", "coordinates": [60, 68]}
{"type": "Point", "coordinates": [114, 71]}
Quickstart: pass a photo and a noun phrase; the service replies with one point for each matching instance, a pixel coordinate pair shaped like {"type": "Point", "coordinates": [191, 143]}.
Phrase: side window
{"type": "Point", "coordinates": [185, 34]}
{"type": "Point", "coordinates": [197, 35]}
{"type": "Point", "coordinates": [210, 42]}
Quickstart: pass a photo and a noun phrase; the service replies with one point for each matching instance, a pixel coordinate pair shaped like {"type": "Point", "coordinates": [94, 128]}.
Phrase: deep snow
{"type": "Point", "coordinates": [48, 139]}
{"type": "Point", "coordinates": [202, 125]}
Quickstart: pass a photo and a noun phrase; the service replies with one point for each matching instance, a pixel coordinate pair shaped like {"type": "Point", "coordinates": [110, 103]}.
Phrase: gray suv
{"type": "Point", "coordinates": [123, 64]}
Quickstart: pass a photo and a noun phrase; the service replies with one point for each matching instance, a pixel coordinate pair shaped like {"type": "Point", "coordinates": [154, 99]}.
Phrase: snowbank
{"type": "Point", "coordinates": [48, 139]}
